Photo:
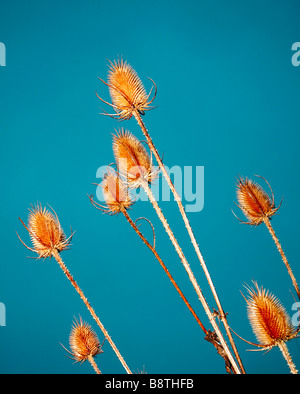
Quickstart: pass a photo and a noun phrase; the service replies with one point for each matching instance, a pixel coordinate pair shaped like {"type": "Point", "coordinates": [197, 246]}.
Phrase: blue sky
{"type": "Point", "coordinates": [228, 100]}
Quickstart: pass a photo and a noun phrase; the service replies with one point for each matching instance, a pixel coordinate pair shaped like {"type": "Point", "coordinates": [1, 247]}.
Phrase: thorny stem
{"type": "Point", "coordinates": [191, 276]}
{"type": "Point", "coordinates": [279, 247]}
{"type": "Point", "coordinates": [134, 226]}
{"type": "Point", "coordinates": [88, 305]}
{"type": "Point", "coordinates": [94, 365]}
{"type": "Point", "coordinates": [284, 350]}
{"type": "Point", "coordinates": [191, 234]}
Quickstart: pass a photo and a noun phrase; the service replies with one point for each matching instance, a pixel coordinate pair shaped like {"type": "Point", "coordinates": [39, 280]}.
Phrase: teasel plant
{"type": "Point", "coordinates": [49, 240]}
{"type": "Point", "coordinates": [84, 344]}
{"type": "Point", "coordinates": [270, 322]}
{"type": "Point", "coordinates": [259, 207]}
{"type": "Point", "coordinates": [117, 199]}
{"type": "Point", "coordinates": [129, 99]}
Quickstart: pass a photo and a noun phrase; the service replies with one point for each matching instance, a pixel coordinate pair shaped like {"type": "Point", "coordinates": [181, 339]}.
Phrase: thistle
{"type": "Point", "coordinates": [258, 207]}
{"type": "Point", "coordinates": [270, 322]}
{"type": "Point", "coordinates": [45, 232]}
{"type": "Point", "coordinates": [126, 90]}
{"type": "Point", "coordinates": [84, 344]}
{"type": "Point", "coordinates": [48, 240]}
{"type": "Point", "coordinates": [255, 203]}
{"type": "Point", "coordinates": [132, 158]}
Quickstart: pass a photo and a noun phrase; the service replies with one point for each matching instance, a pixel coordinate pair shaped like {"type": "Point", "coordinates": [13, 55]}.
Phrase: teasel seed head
{"type": "Point", "coordinates": [132, 159]}
{"type": "Point", "coordinates": [84, 342]}
{"type": "Point", "coordinates": [116, 194]}
{"type": "Point", "coordinates": [255, 203]}
{"type": "Point", "coordinates": [269, 320]}
{"type": "Point", "coordinates": [45, 232]}
{"type": "Point", "coordinates": [126, 90]}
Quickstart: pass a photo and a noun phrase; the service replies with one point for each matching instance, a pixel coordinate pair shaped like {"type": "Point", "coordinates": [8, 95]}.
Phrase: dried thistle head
{"type": "Point", "coordinates": [132, 158]}
{"type": "Point", "coordinates": [126, 90]}
{"type": "Point", "coordinates": [115, 193]}
{"type": "Point", "coordinates": [269, 320]}
{"type": "Point", "coordinates": [255, 203]}
{"type": "Point", "coordinates": [84, 342]}
{"type": "Point", "coordinates": [45, 232]}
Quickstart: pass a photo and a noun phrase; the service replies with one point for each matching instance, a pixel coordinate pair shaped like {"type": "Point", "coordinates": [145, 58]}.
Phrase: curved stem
{"type": "Point", "coordinates": [284, 259]}
{"type": "Point", "coordinates": [191, 234]}
{"type": "Point", "coordinates": [191, 276]}
{"type": "Point", "coordinates": [133, 225]}
{"type": "Point", "coordinates": [91, 310]}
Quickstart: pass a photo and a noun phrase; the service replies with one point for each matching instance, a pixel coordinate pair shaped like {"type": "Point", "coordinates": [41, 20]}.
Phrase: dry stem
{"type": "Point", "coordinates": [284, 259]}
{"type": "Point", "coordinates": [94, 365]}
{"type": "Point", "coordinates": [284, 350]}
{"type": "Point", "coordinates": [191, 234]}
{"type": "Point", "coordinates": [133, 225]}
{"type": "Point", "coordinates": [191, 276]}
{"type": "Point", "coordinates": [85, 300]}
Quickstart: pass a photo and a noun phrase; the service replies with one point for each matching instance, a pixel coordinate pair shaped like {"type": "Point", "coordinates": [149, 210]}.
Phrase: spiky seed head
{"type": "Point", "coordinates": [126, 90]}
{"type": "Point", "coordinates": [45, 232]}
{"type": "Point", "coordinates": [269, 320]}
{"type": "Point", "coordinates": [115, 192]}
{"type": "Point", "coordinates": [255, 203]}
{"type": "Point", "coordinates": [132, 158]}
{"type": "Point", "coordinates": [84, 342]}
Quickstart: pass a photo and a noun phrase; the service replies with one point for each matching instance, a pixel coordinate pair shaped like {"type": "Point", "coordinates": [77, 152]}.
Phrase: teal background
{"type": "Point", "coordinates": [228, 100]}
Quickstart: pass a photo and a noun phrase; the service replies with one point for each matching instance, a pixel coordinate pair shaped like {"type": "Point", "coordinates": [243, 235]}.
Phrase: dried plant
{"type": "Point", "coordinates": [258, 208]}
{"type": "Point", "coordinates": [127, 91]}
{"type": "Point", "coordinates": [84, 344]}
{"type": "Point", "coordinates": [126, 83]}
{"type": "Point", "coordinates": [48, 241]}
{"type": "Point", "coordinates": [115, 205]}
{"type": "Point", "coordinates": [270, 322]}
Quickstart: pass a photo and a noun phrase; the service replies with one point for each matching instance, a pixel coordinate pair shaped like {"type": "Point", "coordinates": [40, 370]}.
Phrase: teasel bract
{"type": "Point", "coordinates": [259, 207]}
{"type": "Point", "coordinates": [270, 322]}
{"type": "Point", "coordinates": [84, 344]}
{"type": "Point", "coordinates": [49, 241]}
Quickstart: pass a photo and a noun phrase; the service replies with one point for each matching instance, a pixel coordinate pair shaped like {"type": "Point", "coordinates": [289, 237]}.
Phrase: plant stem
{"type": "Point", "coordinates": [85, 300]}
{"type": "Point", "coordinates": [191, 234]}
{"type": "Point", "coordinates": [191, 276]}
{"type": "Point", "coordinates": [94, 365]}
{"type": "Point", "coordinates": [133, 225]}
{"type": "Point", "coordinates": [284, 350]}
{"type": "Point", "coordinates": [284, 259]}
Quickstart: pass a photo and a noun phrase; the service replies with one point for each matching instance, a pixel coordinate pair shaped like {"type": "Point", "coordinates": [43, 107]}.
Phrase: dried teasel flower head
{"type": "Point", "coordinates": [132, 159]}
{"type": "Point", "coordinates": [126, 90]}
{"type": "Point", "coordinates": [255, 203]}
{"type": "Point", "coordinates": [45, 232]}
{"type": "Point", "coordinates": [115, 192]}
{"type": "Point", "coordinates": [269, 320]}
{"type": "Point", "coordinates": [84, 342]}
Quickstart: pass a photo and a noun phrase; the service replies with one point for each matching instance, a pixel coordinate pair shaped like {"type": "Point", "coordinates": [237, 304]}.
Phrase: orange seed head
{"type": "Point", "coordinates": [84, 342]}
{"type": "Point", "coordinates": [132, 158]}
{"type": "Point", "coordinates": [269, 320]}
{"type": "Point", "coordinates": [255, 203]}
